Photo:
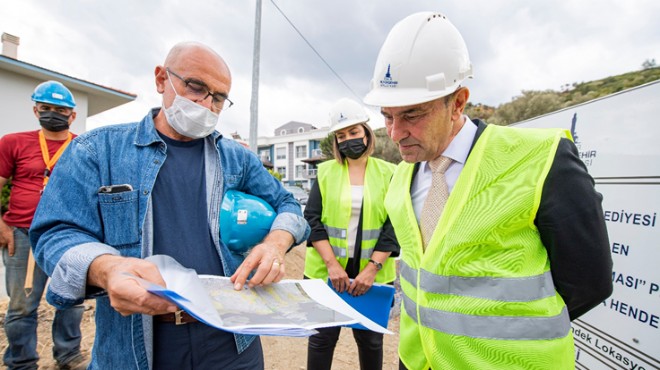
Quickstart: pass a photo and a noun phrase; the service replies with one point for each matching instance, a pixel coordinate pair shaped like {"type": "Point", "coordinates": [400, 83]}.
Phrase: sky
{"type": "Point", "coordinates": [514, 45]}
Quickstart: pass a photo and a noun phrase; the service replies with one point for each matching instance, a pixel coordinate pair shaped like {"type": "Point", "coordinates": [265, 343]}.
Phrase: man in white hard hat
{"type": "Point", "coordinates": [511, 243]}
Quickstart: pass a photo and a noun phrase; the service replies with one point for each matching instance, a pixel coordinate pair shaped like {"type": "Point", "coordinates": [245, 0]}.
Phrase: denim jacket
{"type": "Point", "coordinates": [74, 223]}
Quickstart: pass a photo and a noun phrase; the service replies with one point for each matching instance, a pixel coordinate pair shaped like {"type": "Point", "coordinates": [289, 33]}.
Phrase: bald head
{"type": "Point", "coordinates": [196, 61]}
{"type": "Point", "coordinates": [187, 51]}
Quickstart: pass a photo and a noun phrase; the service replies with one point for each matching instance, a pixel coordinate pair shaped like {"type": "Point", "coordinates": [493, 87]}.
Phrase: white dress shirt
{"type": "Point", "coordinates": [458, 151]}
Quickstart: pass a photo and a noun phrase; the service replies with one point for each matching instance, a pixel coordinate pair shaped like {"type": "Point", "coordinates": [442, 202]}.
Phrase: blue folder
{"type": "Point", "coordinates": [375, 304]}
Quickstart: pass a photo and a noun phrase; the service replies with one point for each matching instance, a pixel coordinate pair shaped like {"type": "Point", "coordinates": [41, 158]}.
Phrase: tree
{"type": "Point", "coordinates": [479, 110]}
{"type": "Point", "coordinates": [326, 146]}
{"type": "Point", "coordinates": [530, 104]}
{"type": "Point", "coordinates": [275, 174]}
{"type": "Point", "coordinates": [649, 63]}
{"type": "Point", "coordinates": [4, 199]}
{"type": "Point", "coordinates": [385, 148]}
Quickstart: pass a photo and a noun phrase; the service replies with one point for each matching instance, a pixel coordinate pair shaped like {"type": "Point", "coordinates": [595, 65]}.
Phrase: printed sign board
{"type": "Point", "coordinates": [619, 141]}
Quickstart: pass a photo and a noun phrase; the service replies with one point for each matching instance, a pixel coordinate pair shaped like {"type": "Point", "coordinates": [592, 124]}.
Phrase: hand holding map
{"type": "Point", "coordinates": [288, 308]}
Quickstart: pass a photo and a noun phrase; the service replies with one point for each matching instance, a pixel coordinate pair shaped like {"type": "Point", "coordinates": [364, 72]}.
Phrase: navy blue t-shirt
{"type": "Point", "coordinates": [181, 231]}
{"type": "Point", "coordinates": [179, 208]}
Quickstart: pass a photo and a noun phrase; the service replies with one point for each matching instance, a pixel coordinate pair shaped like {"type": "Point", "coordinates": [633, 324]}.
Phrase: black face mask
{"type": "Point", "coordinates": [353, 148]}
{"type": "Point", "coordinates": [53, 121]}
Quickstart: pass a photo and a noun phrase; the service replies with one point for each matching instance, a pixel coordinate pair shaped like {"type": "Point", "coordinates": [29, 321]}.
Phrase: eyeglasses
{"type": "Point", "coordinates": [199, 91]}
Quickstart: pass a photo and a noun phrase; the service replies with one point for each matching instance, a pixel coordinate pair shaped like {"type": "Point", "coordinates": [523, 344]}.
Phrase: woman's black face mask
{"type": "Point", "coordinates": [353, 148]}
{"type": "Point", "coordinates": [53, 121]}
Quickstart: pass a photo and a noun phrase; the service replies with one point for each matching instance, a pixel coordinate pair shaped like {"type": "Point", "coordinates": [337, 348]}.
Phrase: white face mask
{"type": "Point", "coordinates": [189, 118]}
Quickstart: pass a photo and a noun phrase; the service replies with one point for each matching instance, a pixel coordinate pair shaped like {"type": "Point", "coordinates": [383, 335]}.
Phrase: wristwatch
{"type": "Point", "coordinates": [377, 264]}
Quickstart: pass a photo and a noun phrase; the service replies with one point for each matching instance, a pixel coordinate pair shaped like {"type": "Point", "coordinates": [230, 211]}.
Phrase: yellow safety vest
{"type": "Point", "coordinates": [335, 187]}
{"type": "Point", "coordinates": [482, 296]}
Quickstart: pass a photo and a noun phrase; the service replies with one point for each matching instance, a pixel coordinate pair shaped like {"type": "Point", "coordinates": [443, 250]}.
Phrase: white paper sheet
{"type": "Point", "coordinates": [287, 308]}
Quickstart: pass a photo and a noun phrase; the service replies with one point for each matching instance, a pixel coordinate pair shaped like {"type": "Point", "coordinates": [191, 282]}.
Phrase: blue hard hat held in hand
{"type": "Point", "coordinates": [53, 92]}
{"type": "Point", "coordinates": [245, 220]}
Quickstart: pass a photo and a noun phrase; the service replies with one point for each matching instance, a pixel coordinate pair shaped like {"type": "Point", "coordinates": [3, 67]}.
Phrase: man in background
{"type": "Point", "coordinates": [27, 159]}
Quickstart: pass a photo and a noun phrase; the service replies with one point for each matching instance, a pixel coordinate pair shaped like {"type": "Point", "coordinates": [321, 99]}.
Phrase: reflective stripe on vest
{"type": "Point", "coordinates": [365, 253]}
{"type": "Point", "coordinates": [335, 232]}
{"type": "Point", "coordinates": [492, 327]}
{"type": "Point", "coordinates": [501, 289]}
{"type": "Point", "coordinates": [367, 236]}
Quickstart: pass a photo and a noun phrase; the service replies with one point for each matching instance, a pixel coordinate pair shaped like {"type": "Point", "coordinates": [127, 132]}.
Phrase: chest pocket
{"type": "Point", "coordinates": [119, 212]}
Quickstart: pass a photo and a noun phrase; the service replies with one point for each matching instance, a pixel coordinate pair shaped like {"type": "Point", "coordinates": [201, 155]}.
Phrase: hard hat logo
{"type": "Point", "coordinates": [346, 112]}
{"type": "Point", "coordinates": [387, 80]}
{"type": "Point", "coordinates": [242, 216]}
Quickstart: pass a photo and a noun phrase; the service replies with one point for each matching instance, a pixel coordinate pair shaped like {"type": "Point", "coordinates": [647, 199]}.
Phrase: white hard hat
{"type": "Point", "coordinates": [345, 113]}
{"type": "Point", "coordinates": [423, 58]}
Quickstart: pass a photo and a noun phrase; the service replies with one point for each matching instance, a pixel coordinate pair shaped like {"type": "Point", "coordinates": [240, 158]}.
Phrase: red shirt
{"type": "Point", "coordinates": [21, 160]}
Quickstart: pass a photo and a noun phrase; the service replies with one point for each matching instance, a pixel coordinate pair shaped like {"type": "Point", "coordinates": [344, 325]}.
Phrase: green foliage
{"type": "Point", "coordinates": [535, 103]}
{"type": "Point", "coordinates": [275, 174]}
{"type": "Point", "coordinates": [326, 146]}
{"type": "Point", "coordinates": [385, 148]}
{"type": "Point", "coordinates": [594, 89]}
{"type": "Point", "coordinates": [530, 104]}
{"type": "Point", "coordinates": [479, 110]}
{"type": "Point", "coordinates": [4, 199]}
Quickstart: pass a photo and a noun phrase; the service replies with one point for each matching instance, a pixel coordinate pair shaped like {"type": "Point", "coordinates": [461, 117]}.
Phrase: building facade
{"type": "Point", "coordinates": [18, 80]}
{"type": "Point", "coordinates": [290, 150]}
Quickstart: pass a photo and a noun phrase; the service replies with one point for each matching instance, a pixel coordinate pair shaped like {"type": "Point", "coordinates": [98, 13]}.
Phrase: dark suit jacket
{"type": "Point", "coordinates": [572, 228]}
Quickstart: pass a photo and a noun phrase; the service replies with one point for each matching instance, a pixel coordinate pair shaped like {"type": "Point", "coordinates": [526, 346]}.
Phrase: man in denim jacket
{"type": "Point", "coordinates": [121, 193]}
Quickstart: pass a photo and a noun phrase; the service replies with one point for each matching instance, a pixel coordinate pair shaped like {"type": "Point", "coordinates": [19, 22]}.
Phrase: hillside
{"type": "Point", "coordinates": [532, 103]}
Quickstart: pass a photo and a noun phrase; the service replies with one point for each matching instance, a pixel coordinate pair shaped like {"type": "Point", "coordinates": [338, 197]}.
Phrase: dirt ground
{"type": "Point", "coordinates": [280, 353]}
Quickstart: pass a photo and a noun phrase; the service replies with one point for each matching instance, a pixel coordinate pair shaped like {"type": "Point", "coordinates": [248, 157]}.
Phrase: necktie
{"type": "Point", "coordinates": [436, 198]}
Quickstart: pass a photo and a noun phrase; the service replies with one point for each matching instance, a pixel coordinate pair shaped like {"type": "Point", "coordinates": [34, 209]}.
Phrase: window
{"type": "Point", "coordinates": [281, 153]}
{"type": "Point", "coordinates": [264, 155]}
{"type": "Point", "coordinates": [282, 171]}
{"type": "Point", "coordinates": [301, 130]}
{"type": "Point", "coordinates": [300, 170]}
{"type": "Point", "coordinates": [283, 132]}
{"type": "Point", "coordinates": [301, 151]}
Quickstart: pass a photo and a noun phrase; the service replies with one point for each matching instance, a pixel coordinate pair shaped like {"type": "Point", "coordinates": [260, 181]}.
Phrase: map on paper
{"type": "Point", "coordinates": [289, 307]}
{"type": "Point", "coordinates": [285, 304]}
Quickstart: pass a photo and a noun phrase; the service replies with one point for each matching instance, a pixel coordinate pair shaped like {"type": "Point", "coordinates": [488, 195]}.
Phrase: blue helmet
{"type": "Point", "coordinates": [245, 220]}
{"type": "Point", "coordinates": [53, 92]}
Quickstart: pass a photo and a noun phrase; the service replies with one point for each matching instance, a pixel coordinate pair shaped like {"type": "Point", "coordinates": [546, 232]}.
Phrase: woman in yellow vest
{"type": "Point", "coordinates": [352, 239]}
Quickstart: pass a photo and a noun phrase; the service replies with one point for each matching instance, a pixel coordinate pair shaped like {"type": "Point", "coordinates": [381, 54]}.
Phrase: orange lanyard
{"type": "Point", "coordinates": [50, 162]}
